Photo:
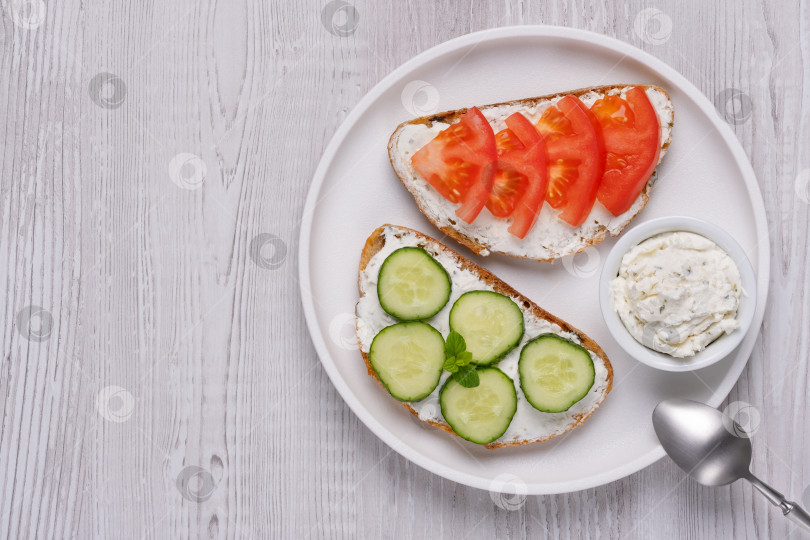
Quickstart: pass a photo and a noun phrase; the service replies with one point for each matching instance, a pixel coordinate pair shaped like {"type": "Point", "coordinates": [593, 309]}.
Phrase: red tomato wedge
{"type": "Point", "coordinates": [509, 184]}
{"type": "Point", "coordinates": [576, 158]}
{"type": "Point", "coordinates": [460, 163]}
{"type": "Point", "coordinates": [631, 131]}
{"type": "Point", "coordinates": [533, 166]}
{"type": "Point", "coordinates": [521, 177]}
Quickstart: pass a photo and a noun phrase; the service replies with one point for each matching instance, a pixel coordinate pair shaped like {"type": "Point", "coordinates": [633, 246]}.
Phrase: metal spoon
{"type": "Point", "coordinates": [713, 449]}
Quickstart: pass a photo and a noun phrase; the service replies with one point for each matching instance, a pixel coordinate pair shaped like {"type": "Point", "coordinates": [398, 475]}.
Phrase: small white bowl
{"type": "Point", "coordinates": [715, 351]}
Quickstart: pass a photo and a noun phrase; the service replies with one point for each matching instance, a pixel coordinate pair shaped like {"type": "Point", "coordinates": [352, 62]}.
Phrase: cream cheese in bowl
{"type": "Point", "coordinates": [677, 292]}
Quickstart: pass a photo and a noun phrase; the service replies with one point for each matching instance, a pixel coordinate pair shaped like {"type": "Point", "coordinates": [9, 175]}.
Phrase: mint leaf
{"type": "Point", "coordinates": [466, 376]}
{"type": "Point", "coordinates": [463, 358]}
{"type": "Point", "coordinates": [454, 345]}
{"type": "Point", "coordinates": [457, 360]}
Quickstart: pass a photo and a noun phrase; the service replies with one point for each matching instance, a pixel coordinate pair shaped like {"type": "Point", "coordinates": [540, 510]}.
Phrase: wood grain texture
{"type": "Point", "coordinates": [165, 386]}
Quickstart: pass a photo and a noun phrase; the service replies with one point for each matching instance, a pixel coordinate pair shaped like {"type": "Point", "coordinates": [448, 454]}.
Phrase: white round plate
{"type": "Point", "coordinates": [705, 175]}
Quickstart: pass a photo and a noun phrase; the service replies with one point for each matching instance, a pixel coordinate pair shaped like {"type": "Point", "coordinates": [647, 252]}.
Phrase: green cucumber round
{"type": "Point", "coordinates": [490, 323]}
{"type": "Point", "coordinates": [412, 285]}
{"type": "Point", "coordinates": [408, 358]}
{"type": "Point", "coordinates": [481, 414]}
{"type": "Point", "coordinates": [555, 373]}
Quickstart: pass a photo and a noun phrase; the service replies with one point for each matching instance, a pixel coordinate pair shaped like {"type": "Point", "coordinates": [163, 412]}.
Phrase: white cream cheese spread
{"type": "Point", "coordinates": [528, 423]}
{"type": "Point", "coordinates": [677, 292]}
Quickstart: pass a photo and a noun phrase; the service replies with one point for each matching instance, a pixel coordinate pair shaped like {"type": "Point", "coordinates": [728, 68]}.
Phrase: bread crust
{"type": "Point", "coordinates": [450, 117]}
{"type": "Point", "coordinates": [375, 243]}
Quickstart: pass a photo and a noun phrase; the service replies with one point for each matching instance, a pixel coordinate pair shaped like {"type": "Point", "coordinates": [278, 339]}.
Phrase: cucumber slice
{"type": "Point", "coordinates": [480, 414]}
{"type": "Point", "coordinates": [407, 358]}
{"type": "Point", "coordinates": [412, 285]}
{"type": "Point", "coordinates": [491, 324]}
{"type": "Point", "coordinates": [554, 373]}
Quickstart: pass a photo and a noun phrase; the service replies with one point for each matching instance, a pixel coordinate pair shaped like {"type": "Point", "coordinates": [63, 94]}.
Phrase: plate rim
{"type": "Point", "coordinates": [492, 34]}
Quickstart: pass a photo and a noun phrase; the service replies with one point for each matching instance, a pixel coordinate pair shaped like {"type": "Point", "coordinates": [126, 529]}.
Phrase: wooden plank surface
{"type": "Point", "coordinates": [157, 377]}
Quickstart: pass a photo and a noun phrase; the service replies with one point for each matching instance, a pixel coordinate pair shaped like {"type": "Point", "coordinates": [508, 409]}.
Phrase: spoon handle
{"type": "Point", "coordinates": [793, 511]}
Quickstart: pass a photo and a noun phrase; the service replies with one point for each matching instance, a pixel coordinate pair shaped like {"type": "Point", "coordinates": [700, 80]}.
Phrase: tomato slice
{"type": "Point", "coordinates": [535, 168]}
{"type": "Point", "coordinates": [507, 189]}
{"type": "Point", "coordinates": [509, 184]}
{"type": "Point", "coordinates": [520, 180]}
{"type": "Point", "coordinates": [631, 131]}
{"type": "Point", "coordinates": [460, 163]}
{"type": "Point", "coordinates": [576, 158]}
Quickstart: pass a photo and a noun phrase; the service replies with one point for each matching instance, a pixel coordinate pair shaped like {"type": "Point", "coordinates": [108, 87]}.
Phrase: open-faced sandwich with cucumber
{"type": "Point", "coordinates": [464, 351]}
{"type": "Point", "coordinates": [537, 178]}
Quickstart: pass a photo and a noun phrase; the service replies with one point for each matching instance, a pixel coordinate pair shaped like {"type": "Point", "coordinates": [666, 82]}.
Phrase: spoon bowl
{"type": "Point", "coordinates": [702, 441]}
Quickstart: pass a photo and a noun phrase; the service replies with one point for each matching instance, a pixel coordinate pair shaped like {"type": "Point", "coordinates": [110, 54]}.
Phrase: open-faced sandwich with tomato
{"type": "Point", "coordinates": [537, 178]}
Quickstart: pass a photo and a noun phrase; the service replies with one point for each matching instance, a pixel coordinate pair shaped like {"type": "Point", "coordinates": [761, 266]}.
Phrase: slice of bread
{"type": "Point", "coordinates": [528, 425]}
{"type": "Point", "coordinates": [550, 238]}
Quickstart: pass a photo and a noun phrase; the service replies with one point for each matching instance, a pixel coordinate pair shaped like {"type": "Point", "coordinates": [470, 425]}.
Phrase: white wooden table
{"type": "Point", "coordinates": [157, 379]}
